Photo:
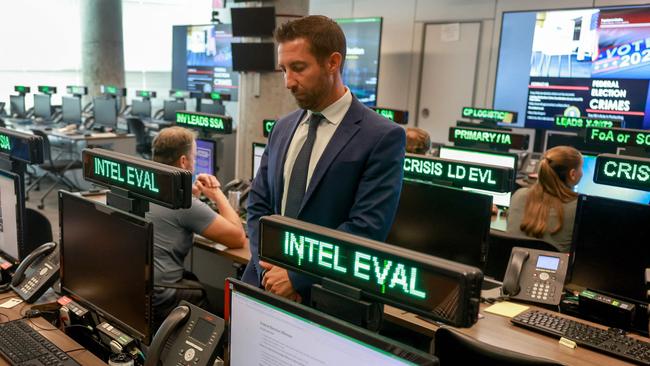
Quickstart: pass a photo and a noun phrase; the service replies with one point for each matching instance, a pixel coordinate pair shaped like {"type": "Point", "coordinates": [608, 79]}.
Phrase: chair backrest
{"type": "Point", "coordinates": [455, 348]}
{"type": "Point", "coordinates": [136, 127]}
{"type": "Point", "coordinates": [38, 229]}
{"type": "Point", "coordinates": [47, 148]}
{"type": "Point", "coordinates": [499, 248]}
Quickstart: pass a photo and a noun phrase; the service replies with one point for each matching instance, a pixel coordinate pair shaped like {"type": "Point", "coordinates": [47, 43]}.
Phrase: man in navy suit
{"type": "Point", "coordinates": [334, 162]}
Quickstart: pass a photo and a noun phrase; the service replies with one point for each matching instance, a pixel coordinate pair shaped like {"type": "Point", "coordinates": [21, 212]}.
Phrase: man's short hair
{"type": "Point", "coordinates": [324, 35]}
{"type": "Point", "coordinates": [418, 141]}
{"type": "Point", "coordinates": [171, 143]}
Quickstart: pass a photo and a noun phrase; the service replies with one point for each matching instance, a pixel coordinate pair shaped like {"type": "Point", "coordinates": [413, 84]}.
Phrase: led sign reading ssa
{"type": "Point", "coordinates": [490, 114]}
{"type": "Point", "coordinates": [394, 115]}
{"type": "Point", "coordinates": [581, 122]}
{"type": "Point", "coordinates": [623, 171]}
{"type": "Point", "coordinates": [495, 179]}
{"type": "Point", "coordinates": [212, 122]}
{"type": "Point", "coordinates": [493, 137]}
{"type": "Point", "coordinates": [267, 126]}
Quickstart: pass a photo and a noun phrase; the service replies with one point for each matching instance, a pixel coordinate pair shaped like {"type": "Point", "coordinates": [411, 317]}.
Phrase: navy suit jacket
{"type": "Point", "coordinates": [354, 188]}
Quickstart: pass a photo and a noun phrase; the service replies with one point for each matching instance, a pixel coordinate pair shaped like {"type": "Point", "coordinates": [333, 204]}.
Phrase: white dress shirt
{"type": "Point", "coordinates": [333, 114]}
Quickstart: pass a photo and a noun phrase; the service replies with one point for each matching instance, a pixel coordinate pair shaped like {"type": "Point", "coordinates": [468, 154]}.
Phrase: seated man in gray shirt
{"type": "Point", "coordinates": [174, 229]}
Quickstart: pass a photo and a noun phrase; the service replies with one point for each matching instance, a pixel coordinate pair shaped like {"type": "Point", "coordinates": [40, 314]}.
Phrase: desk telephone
{"type": "Point", "coordinates": [188, 336]}
{"type": "Point", "coordinates": [529, 163]}
{"type": "Point", "coordinates": [36, 273]}
{"type": "Point", "coordinates": [535, 275]}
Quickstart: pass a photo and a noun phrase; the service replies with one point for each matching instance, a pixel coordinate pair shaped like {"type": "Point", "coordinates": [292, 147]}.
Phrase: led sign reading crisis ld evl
{"type": "Point", "coordinates": [618, 136]}
{"type": "Point", "coordinates": [159, 183]}
{"type": "Point", "coordinates": [623, 171]}
{"type": "Point", "coordinates": [387, 274]}
{"type": "Point", "coordinates": [488, 136]}
{"type": "Point", "coordinates": [267, 126]}
{"type": "Point", "coordinates": [461, 174]}
{"type": "Point", "coordinates": [578, 123]}
{"type": "Point", "coordinates": [212, 122]}
{"type": "Point", "coordinates": [489, 114]}
{"type": "Point", "coordinates": [401, 117]}
{"type": "Point", "coordinates": [21, 146]}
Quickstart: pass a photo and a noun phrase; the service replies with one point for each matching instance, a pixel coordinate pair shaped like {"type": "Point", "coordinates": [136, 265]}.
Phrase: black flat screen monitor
{"type": "Point", "coordinates": [258, 151]}
{"type": "Point", "coordinates": [563, 138]}
{"type": "Point", "coordinates": [17, 105]}
{"type": "Point", "coordinates": [361, 68]}
{"type": "Point", "coordinates": [206, 160]}
{"type": "Point", "coordinates": [213, 108]}
{"type": "Point", "coordinates": [42, 106]}
{"type": "Point", "coordinates": [442, 221]}
{"type": "Point", "coordinates": [170, 107]}
{"type": "Point", "coordinates": [105, 111]}
{"type": "Point", "coordinates": [253, 22]}
{"type": "Point", "coordinates": [106, 262]}
{"type": "Point", "coordinates": [589, 62]}
{"type": "Point", "coordinates": [71, 110]}
{"type": "Point", "coordinates": [265, 329]}
{"type": "Point", "coordinates": [253, 56]}
{"type": "Point", "coordinates": [141, 108]}
{"type": "Point", "coordinates": [11, 217]}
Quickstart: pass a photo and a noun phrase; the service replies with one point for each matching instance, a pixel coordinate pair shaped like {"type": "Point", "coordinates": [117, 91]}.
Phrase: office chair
{"type": "Point", "coordinates": [455, 348]}
{"type": "Point", "coordinates": [500, 246]}
{"type": "Point", "coordinates": [54, 168]}
{"type": "Point", "coordinates": [39, 229]}
{"type": "Point", "coordinates": [142, 140]}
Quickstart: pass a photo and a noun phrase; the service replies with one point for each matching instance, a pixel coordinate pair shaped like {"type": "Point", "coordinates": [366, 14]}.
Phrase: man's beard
{"type": "Point", "coordinates": [312, 99]}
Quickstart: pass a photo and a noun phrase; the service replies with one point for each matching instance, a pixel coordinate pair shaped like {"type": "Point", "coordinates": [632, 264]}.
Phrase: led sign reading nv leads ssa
{"type": "Point", "coordinates": [394, 115]}
{"type": "Point", "coordinates": [158, 183]}
{"type": "Point", "coordinates": [619, 137]}
{"type": "Point", "coordinates": [211, 122]}
{"type": "Point", "coordinates": [423, 284]}
{"type": "Point", "coordinates": [462, 174]}
{"type": "Point", "coordinates": [267, 126]}
{"type": "Point", "coordinates": [490, 114]}
{"type": "Point", "coordinates": [21, 146]}
{"type": "Point", "coordinates": [623, 171]}
{"type": "Point", "coordinates": [583, 122]}
{"type": "Point", "coordinates": [488, 136]}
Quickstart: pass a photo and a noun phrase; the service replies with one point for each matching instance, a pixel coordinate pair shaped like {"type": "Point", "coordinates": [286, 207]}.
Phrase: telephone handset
{"type": "Point", "coordinates": [535, 275]}
{"type": "Point", "coordinates": [189, 334]}
{"type": "Point", "coordinates": [36, 273]}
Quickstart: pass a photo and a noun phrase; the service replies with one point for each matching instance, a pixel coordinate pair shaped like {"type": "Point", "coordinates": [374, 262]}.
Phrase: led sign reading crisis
{"type": "Point", "coordinates": [394, 115]}
{"type": "Point", "coordinates": [623, 171]}
{"type": "Point", "coordinates": [471, 175]}
{"type": "Point", "coordinates": [488, 136]}
{"type": "Point", "coordinates": [583, 122]}
{"type": "Point", "coordinates": [619, 137]}
{"type": "Point", "coordinates": [490, 114]}
{"type": "Point", "coordinates": [267, 126]}
{"type": "Point", "coordinates": [212, 122]}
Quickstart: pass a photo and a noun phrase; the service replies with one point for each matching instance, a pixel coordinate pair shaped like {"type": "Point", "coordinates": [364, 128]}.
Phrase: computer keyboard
{"type": "Point", "coordinates": [21, 345]}
{"type": "Point", "coordinates": [611, 342]}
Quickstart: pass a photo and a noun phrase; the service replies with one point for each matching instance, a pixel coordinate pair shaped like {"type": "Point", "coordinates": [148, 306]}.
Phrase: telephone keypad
{"type": "Point", "coordinates": [541, 290]}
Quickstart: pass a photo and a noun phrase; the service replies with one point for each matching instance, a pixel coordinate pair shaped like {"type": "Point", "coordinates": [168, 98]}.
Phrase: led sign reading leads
{"type": "Point", "coordinates": [623, 171]}
{"type": "Point", "coordinates": [21, 89]}
{"type": "Point", "coordinates": [426, 285]}
{"type": "Point", "coordinates": [619, 137]}
{"type": "Point", "coordinates": [583, 122]}
{"type": "Point", "coordinates": [488, 136]}
{"type": "Point", "coordinates": [490, 114]}
{"type": "Point", "coordinates": [21, 146]}
{"type": "Point", "coordinates": [212, 122]}
{"type": "Point", "coordinates": [462, 174]}
{"type": "Point", "coordinates": [267, 126]}
{"type": "Point", "coordinates": [394, 115]}
{"type": "Point", "coordinates": [47, 89]}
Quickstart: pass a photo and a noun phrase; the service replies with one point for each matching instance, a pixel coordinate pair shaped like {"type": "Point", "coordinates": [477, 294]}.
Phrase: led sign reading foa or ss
{"type": "Point", "coordinates": [125, 174]}
{"type": "Point", "coordinates": [623, 171]}
{"type": "Point", "coordinates": [489, 114]}
{"type": "Point", "coordinates": [216, 123]}
{"type": "Point", "coordinates": [619, 137]}
{"type": "Point", "coordinates": [583, 122]}
{"type": "Point", "coordinates": [5, 142]}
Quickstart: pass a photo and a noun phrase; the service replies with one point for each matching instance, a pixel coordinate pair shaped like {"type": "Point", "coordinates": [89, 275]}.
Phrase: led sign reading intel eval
{"type": "Point", "coordinates": [423, 284]}
{"type": "Point", "coordinates": [158, 183]}
{"type": "Point", "coordinates": [47, 89]}
{"type": "Point", "coordinates": [267, 126]}
{"type": "Point", "coordinates": [145, 93]}
{"type": "Point", "coordinates": [461, 174]}
{"type": "Point", "coordinates": [489, 114]}
{"type": "Point", "coordinates": [578, 123]}
{"type": "Point", "coordinates": [488, 136]}
{"type": "Point", "coordinates": [21, 146]}
{"type": "Point", "coordinates": [619, 137]}
{"type": "Point", "coordinates": [211, 122]}
{"type": "Point", "coordinates": [401, 117]}
{"type": "Point", "coordinates": [623, 171]}
{"type": "Point", "coordinates": [77, 90]}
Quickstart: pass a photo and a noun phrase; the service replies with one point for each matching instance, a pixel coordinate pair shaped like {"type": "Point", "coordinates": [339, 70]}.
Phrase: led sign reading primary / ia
{"type": "Point", "coordinates": [488, 136]}
{"type": "Point", "coordinates": [623, 171]}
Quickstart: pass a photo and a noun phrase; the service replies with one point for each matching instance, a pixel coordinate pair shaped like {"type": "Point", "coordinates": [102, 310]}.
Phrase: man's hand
{"type": "Point", "coordinates": [206, 184]}
{"type": "Point", "coordinates": [276, 280]}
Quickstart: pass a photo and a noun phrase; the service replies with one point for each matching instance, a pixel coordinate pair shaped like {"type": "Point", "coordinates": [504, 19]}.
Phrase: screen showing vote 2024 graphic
{"type": "Point", "coordinates": [586, 62]}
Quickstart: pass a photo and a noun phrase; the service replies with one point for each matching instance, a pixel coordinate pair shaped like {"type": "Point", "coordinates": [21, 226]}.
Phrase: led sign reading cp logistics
{"type": "Point", "coordinates": [623, 171]}
{"type": "Point", "coordinates": [471, 175]}
{"type": "Point", "coordinates": [267, 126]}
{"type": "Point", "coordinates": [619, 136]}
{"type": "Point", "coordinates": [490, 114]}
{"type": "Point", "coordinates": [488, 136]}
{"type": "Point", "coordinates": [212, 122]}
{"type": "Point", "coordinates": [394, 115]}
{"type": "Point", "coordinates": [582, 122]}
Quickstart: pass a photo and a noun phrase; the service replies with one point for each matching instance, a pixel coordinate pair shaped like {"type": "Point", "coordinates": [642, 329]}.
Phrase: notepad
{"type": "Point", "coordinates": [506, 308]}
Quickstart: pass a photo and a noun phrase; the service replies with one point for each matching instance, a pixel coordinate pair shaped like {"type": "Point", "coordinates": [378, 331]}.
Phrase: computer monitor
{"type": "Point", "coordinates": [564, 138]}
{"type": "Point", "coordinates": [71, 110]}
{"type": "Point", "coordinates": [11, 216]}
{"type": "Point", "coordinates": [267, 329]}
{"type": "Point", "coordinates": [42, 106]}
{"type": "Point", "coordinates": [501, 159]}
{"type": "Point", "coordinates": [17, 105]}
{"type": "Point", "coordinates": [106, 262]}
{"type": "Point", "coordinates": [253, 56]}
{"type": "Point", "coordinates": [587, 185]}
{"type": "Point", "coordinates": [141, 108]}
{"type": "Point", "coordinates": [442, 221]}
{"type": "Point", "coordinates": [105, 112]}
{"type": "Point", "coordinates": [258, 151]}
{"type": "Point", "coordinates": [253, 22]}
{"type": "Point", "coordinates": [213, 108]}
{"type": "Point", "coordinates": [206, 162]}
{"type": "Point", "coordinates": [170, 107]}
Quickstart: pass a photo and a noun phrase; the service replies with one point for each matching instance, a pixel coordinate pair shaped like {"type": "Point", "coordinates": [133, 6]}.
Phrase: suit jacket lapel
{"type": "Point", "coordinates": [285, 141]}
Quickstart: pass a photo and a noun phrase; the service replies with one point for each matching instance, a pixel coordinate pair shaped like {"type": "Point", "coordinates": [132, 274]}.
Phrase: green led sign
{"type": "Point", "coordinates": [158, 183]}
{"type": "Point", "coordinates": [5, 142]}
{"type": "Point", "coordinates": [113, 90]}
{"type": "Point", "coordinates": [217, 96]}
{"type": "Point", "coordinates": [357, 20]}
{"type": "Point", "coordinates": [413, 281]}
{"type": "Point", "coordinates": [21, 146]}
{"type": "Point", "coordinates": [583, 122]}
{"type": "Point", "coordinates": [179, 94]}
{"type": "Point", "coordinates": [490, 114]}
{"type": "Point", "coordinates": [267, 126]}
{"type": "Point", "coordinates": [623, 171]}
{"type": "Point", "coordinates": [77, 90]}
{"type": "Point", "coordinates": [211, 122]}
{"type": "Point", "coordinates": [47, 89]}
{"type": "Point", "coordinates": [394, 115]}
{"type": "Point", "coordinates": [21, 89]}
{"type": "Point", "coordinates": [619, 137]}
{"type": "Point", "coordinates": [488, 136]}
{"type": "Point", "coordinates": [461, 174]}
{"type": "Point", "coordinates": [145, 93]}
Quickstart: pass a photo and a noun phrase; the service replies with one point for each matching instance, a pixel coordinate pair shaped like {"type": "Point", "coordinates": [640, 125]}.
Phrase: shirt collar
{"type": "Point", "coordinates": [335, 112]}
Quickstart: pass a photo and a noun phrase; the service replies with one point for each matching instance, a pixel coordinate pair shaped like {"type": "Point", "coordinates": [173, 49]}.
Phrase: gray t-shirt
{"type": "Point", "coordinates": [173, 236]}
{"type": "Point", "coordinates": [562, 239]}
